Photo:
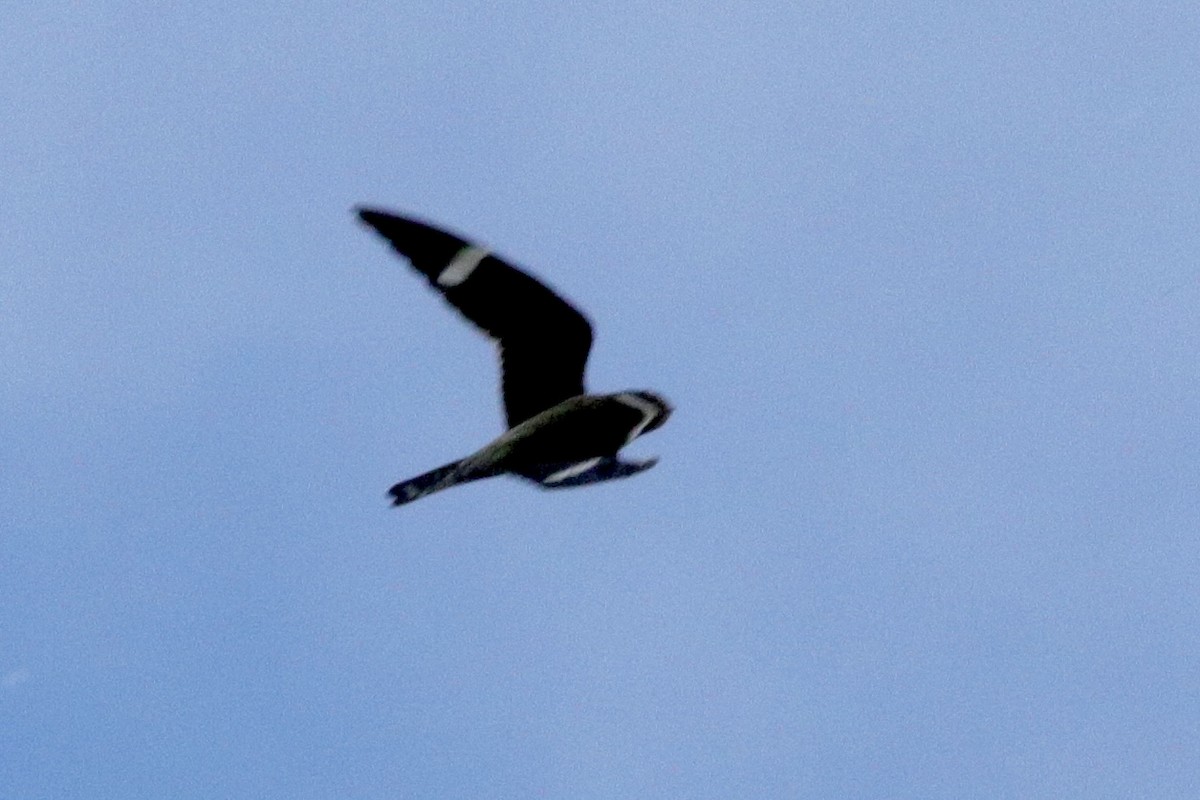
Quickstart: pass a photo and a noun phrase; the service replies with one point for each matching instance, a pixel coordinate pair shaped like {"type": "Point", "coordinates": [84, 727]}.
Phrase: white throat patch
{"type": "Point", "coordinates": [648, 409]}
{"type": "Point", "coordinates": [461, 266]}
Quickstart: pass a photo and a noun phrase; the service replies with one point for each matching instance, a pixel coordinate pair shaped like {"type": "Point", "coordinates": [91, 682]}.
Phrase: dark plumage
{"type": "Point", "coordinates": [558, 435]}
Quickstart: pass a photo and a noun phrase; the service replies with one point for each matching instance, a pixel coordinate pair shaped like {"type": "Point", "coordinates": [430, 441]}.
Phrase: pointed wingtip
{"type": "Point", "coordinates": [369, 215]}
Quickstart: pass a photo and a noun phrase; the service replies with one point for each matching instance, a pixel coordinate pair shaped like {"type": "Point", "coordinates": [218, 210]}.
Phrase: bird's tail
{"type": "Point", "coordinates": [435, 480]}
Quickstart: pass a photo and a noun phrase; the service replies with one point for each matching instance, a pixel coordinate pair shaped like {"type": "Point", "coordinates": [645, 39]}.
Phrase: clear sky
{"type": "Point", "coordinates": [920, 279]}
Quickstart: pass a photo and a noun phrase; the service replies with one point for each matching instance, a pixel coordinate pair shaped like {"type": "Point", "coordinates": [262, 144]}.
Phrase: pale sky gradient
{"type": "Point", "coordinates": [920, 279]}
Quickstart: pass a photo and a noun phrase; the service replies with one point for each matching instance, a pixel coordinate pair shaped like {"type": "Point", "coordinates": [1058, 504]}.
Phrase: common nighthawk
{"type": "Point", "coordinates": [557, 435]}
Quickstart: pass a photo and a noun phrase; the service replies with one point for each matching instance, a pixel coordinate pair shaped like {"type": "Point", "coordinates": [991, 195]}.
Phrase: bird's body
{"type": "Point", "coordinates": [558, 435]}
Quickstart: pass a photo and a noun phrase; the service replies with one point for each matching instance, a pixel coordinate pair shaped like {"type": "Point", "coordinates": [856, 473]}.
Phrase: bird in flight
{"type": "Point", "coordinates": [558, 435]}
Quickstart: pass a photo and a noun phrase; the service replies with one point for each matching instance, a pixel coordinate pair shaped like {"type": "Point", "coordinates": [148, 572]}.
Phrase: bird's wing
{"type": "Point", "coordinates": [544, 341]}
{"type": "Point", "coordinates": [593, 470]}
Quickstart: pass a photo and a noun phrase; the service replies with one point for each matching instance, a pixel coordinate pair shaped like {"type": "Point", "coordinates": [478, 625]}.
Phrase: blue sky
{"type": "Point", "coordinates": [920, 280]}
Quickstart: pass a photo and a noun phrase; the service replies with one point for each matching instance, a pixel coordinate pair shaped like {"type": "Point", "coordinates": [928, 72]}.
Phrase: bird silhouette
{"type": "Point", "coordinates": [558, 435]}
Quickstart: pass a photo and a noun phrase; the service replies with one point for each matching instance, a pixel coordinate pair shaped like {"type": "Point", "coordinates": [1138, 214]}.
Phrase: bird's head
{"type": "Point", "coordinates": [654, 408]}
